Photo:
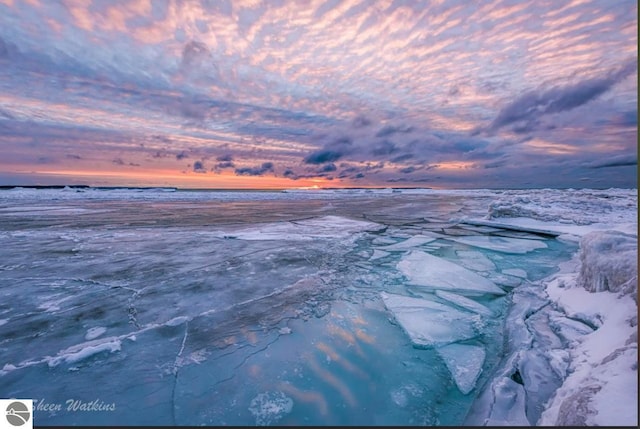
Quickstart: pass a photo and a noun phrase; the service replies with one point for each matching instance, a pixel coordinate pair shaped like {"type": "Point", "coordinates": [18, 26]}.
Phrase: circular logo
{"type": "Point", "coordinates": [17, 414]}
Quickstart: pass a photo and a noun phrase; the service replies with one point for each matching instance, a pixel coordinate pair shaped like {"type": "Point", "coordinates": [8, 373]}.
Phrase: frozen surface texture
{"type": "Point", "coordinates": [329, 307]}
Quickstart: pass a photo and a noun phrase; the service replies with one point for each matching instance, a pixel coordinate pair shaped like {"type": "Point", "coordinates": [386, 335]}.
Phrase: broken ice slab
{"type": "Point", "coordinates": [464, 302]}
{"type": "Point", "coordinates": [429, 323]}
{"type": "Point", "coordinates": [410, 243]}
{"type": "Point", "coordinates": [503, 225]}
{"type": "Point", "coordinates": [432, 272]}
{"type": "Point", "coordinates": [476, 261]}
{"type": "Point", "coordinates": [377, 254]}
{"type": "Point", "coordinates": [464, 362]}
{"type": "Point", "coordinates": [501, 244]}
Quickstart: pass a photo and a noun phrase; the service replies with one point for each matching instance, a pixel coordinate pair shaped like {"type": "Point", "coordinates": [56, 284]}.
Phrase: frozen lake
{"type": "Point", "coordinates": [288, 308]}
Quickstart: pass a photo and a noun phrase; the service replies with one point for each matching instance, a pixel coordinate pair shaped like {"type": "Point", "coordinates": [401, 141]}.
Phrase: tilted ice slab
{"type": "Point", "coordinates": [464, 302]}
{"type": "Point", "coordinates": [501, 244]}
{"type": "Point", "coordinates": [303, 230]}
{"type": "Point", "coordinates": [464, 362]}
{"type": "Point", "coordinates": [429, 323]}
{"type": "Point", "coordinates": [425, 270]}
{"type": "Point", "coordinates": [409, 243]}
{"type": "Point", "coordinates": [476, 261]}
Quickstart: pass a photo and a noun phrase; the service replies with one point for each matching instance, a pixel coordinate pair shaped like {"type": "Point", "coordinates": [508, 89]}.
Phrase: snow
{"type": "Point", "coordinates": [433, 272]}
{"type": "Point", "coordinates": [605, 360]}
{"type": "Point", "coordinates": [429, 323]}
{"type": "Point", "coordinates": [464, 362]}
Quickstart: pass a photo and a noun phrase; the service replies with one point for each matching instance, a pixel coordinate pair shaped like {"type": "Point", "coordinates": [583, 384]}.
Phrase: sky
{"type": "Point", "coordinates": [326, 93]}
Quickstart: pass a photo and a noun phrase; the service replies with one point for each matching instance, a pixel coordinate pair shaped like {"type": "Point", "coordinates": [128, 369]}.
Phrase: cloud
{"type": "Point", "coordinates": [401, 158]}
{"type": "Point", "coordinates": [386, 147]}
{"type": "Point", "coordinates": [615, 161]}
{"type": "Point", "coordinates": [535, 104]}
{"type": "Point", "coordinates": [328, 168]}
{"type": "Point", "coordinates": [198, 167]}
{"type": "Point", "coordinates": [225, 158]}
{"type": "Point", "coordinates": [361, 122]}
{"type": "Point", "coordinates": [322, 156]}
{"type": "Point", "coordinates": [182, 155]}
{"type": "Point", "coordinates": [118, 161]}
{"type": "Point", "coordinates": [255, 171]}
{"type": "Point", "coordinates": [226, 164]}
{"type": "Point", "coordinates": [390, 129]}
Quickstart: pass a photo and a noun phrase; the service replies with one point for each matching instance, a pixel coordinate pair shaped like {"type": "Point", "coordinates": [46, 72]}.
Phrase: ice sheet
{"type": "Point", "coordinates": [425, 270]}
{"type": "Point", "coordinates": [464, 363]}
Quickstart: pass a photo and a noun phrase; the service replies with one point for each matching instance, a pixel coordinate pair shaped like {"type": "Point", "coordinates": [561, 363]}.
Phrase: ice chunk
{"type": "Point", "coordinates": [269, 407]}
{"type": "Point", "coordinates": [429, 323]}
{"type": "Point", "coordinates": [509, 404]}
{"type": "Point", "coordinates": [501, 244]}
{"type": "Point", "coordinates": [517, 272]}
{"type": "Point", "coordinates": [464, 362]}
{"type": "Point", "coordinates": [377, 254]}
{"type": "Point", "coordinates": [464, 302]}
{"type": "Point", "coordinates": [82, 351]}
{"type": "Point", "coordinates": [505, 280]}
{"type": "Point", "coordinates": [410, 243]}
{"type": "Point", "coordinates": [423, 269]}
{"type": "Point", "coordinates": [303, 230]}
{"type": "Point", "coordinates": [476, 261]}
{"type": "Point", "coordinates": [176, 321]}
{"type": "Point", "coordinates": [94, 333]}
